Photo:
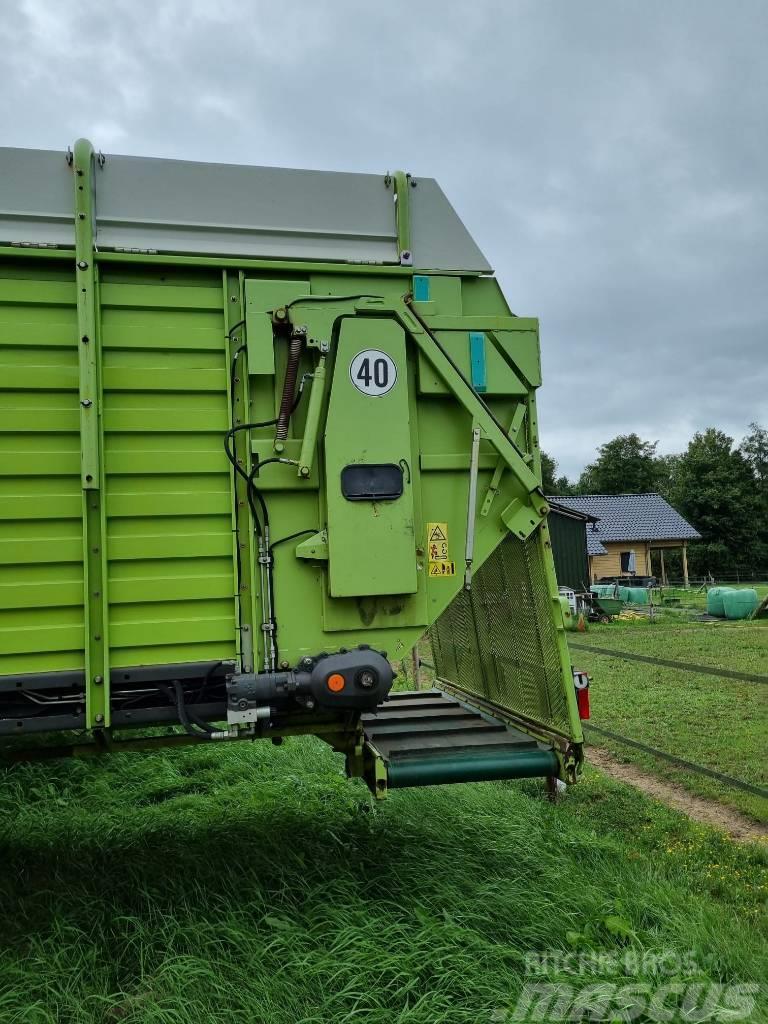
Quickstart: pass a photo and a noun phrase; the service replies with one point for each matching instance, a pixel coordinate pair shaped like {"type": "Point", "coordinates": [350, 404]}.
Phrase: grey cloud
{"type": "Point", "coordinates": [608, 155]}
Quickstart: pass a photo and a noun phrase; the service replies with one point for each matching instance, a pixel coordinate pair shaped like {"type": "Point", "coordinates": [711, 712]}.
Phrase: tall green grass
{"type": "Point", "coordinates": [248, 883]}
{"type": "Point", "coordinates": [718, 723]}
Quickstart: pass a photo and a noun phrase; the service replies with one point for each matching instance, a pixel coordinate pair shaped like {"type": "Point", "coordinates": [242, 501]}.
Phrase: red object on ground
{"type": "Point", "coordinates": [582, 702]}
{"type": "Point", "coordinates": [581, 684]}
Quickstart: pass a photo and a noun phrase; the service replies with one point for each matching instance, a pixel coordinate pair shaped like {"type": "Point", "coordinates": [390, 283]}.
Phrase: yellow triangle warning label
{"type": "Point", "coordinates": [437, 532]}
{"type": "Point", "coordinates": [442, 568]}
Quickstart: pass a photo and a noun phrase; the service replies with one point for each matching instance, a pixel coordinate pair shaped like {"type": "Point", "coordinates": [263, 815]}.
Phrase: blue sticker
{"type": "Point", "coordinates": [477, 361]}
{"type": "Point", "coordinates": [420, 288]}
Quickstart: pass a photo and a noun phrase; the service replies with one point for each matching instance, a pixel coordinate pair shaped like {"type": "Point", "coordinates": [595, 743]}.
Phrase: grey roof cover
{"type": "Point", "coordinates": [629, 517]}
{"type": "Point", "coordinates": [181, 206]}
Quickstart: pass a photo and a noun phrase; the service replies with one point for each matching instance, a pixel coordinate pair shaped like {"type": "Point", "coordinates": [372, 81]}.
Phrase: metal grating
{"type": "Point", "coordinates": [499, 640]}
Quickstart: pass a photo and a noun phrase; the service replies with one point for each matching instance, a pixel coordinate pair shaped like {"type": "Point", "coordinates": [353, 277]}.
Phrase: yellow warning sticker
{"type": "Point", "coordinates": [442, 568]}
{"type": "Point", "coordinates": [437, 542]}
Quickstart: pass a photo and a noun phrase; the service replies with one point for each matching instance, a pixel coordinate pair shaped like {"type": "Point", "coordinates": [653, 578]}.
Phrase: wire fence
{"type": "Point", "coordinates": [736, 576]}
{"type": "Point", "coordinates": [628, 741]}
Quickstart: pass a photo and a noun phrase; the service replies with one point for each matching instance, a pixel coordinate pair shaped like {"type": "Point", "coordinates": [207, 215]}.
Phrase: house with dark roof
{"type": "Point", "coordinates": [626, 528]}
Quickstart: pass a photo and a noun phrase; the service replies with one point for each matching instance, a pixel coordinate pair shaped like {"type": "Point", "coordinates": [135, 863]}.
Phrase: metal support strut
{"type": "Point", "coordinates": [89, 359]}
{"type": "Point", "coordinates": [469, 552]}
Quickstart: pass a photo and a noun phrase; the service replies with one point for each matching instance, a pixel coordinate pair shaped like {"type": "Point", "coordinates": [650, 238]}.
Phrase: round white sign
{"type": "Point", "coordinates": [373, 372]}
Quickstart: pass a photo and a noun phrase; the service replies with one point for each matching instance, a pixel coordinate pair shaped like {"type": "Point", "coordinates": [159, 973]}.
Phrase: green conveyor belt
{"type": "Point", "coordinates": [480, 767]}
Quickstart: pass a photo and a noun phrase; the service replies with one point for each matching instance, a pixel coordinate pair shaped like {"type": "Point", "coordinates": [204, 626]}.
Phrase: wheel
{"type": "Point", "coordinates": [605, 619]}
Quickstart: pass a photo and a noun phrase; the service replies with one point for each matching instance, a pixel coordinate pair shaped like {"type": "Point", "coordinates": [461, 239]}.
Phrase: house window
{"type": "Point", "coordinates": [628, 562]}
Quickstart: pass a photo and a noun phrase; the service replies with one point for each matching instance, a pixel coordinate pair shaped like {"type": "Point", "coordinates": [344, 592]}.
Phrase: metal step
{"type": "Point", "coordinates": [426, 737]}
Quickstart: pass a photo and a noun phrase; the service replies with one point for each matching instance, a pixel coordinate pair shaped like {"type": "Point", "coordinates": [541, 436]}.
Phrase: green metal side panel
{"type": "Point", "coordinates": [168, 500]}
{"type": "Point", "coordinates": [41, 539]}
{"type": "Point", "coordinates": [168, 504]}
{"type": "Point", "coordinates": [371, 544]}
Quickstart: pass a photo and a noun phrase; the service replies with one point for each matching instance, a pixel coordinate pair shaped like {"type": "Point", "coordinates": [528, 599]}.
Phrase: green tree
{"type": "Point", "coordinates": [548, 473]}
{"type": "Point", "coordinates": [551, 482]}
{"type": "Point", "coordinates": [666, 476]}
{"type": "Point", "coordinates": [563, 487]}
{"type": "Point", "coordinates": [754, 448]}
{"type": "Point", "coordinates": [625, 465]}
{"type": "Point", "coordinates": [715, 490]}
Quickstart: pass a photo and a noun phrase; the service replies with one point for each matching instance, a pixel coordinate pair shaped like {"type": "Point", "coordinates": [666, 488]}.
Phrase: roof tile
{"type": "Point", "coordinates": [629, 517]}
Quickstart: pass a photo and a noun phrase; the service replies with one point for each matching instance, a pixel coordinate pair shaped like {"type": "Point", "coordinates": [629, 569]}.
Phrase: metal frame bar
{"type": "Point", "coordinates": [233, 262]}
{"type": "Point", "coordinates": [242, 529]}
{"type": "Point", "coordinates": [493, 486]}
{"type": "Point", "coordinates": [545, 546]}
{"type": "Point", "coordinates": [402, 186]}
{"type": "Point", "coordinates": [97, 711]}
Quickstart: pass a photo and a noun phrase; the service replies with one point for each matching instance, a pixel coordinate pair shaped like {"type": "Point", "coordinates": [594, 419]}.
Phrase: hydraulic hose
{"type": "Point", "coordinates": [289, 387]}
{"type": "Point", "coordinates": [190, 721]}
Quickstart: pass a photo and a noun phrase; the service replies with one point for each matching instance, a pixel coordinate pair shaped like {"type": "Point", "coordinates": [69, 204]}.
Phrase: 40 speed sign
{"type": "Point", "coordinates": [373, 372]}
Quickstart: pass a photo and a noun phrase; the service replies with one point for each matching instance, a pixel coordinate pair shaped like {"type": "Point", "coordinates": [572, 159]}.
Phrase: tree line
{"type": "Point", "coordinates": [717, 485]}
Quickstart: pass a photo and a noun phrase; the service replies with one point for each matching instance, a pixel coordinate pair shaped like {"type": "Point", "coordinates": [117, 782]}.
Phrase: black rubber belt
{"type": "Point", "coordinates": [685, 666]}
{"type": "Point", "coordinates": [699, 769]}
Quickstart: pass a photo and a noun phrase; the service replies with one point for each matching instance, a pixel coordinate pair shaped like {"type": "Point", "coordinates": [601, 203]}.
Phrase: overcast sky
{"type": "Point", "coordinates": [609, 156]}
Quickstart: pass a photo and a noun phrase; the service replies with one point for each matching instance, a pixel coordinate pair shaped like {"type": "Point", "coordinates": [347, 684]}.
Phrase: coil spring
{"type": "Point", "coordinates": [289, 388]}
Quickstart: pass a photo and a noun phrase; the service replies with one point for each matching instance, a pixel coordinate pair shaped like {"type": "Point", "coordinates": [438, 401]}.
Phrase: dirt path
{"type": "Point", "coordinates": [710, 812]}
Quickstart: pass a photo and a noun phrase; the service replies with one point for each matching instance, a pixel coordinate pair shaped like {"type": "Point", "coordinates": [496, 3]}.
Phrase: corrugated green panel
{"type": "Point", "coordinates": [161, 295]}
{"type": "Point", "coordinates": [164, 654]}
{"type": "Point", "coordinates": [174, 503]}
{"type": "Point", "coordinates": [130, 378]}
{"type": "Point", "coordinates": [169, 588]}
{"type": "Point", "coordinates": [36, 292]}
{"type": "Point", "coordinates": [169, 538]}
{"type": "Point", "coordinates": [185, 336]}
{"type": "Point", "coordinates": [46, 463]}
{"type": "Point", "coordinates": [125, 328]}
{"type": "Point", "coordinates": [39, 378]}
{"type": "Point", "coordinates": [143, 460]}
{"type": "Point", "coordinates": [58, 324]}
{"type": "Point", "coordinates": [65, 593]}
{"type": "Point", "coordinates": [42, 499]}
{"type": "Point", "coordinates": [39, 637]}
{"type": "Point", "coordinates": [169, 527]}
{"type": "Point", "coordinates": [41, 548]}
{"type": "Point", "coordinates": [184, 632]}
{"type": "Point", "coordinates": [58, 421]}
{"type": "Point", "coordinates": [34, 551]}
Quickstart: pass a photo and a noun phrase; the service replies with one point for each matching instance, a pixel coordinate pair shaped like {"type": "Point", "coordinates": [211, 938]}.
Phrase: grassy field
{"type": "Point", "coordinates": [719, 723]}
{"type": "Point", "coordinates": [741, 647]}
{"type": "Point", "coordinates": [252, 883]}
